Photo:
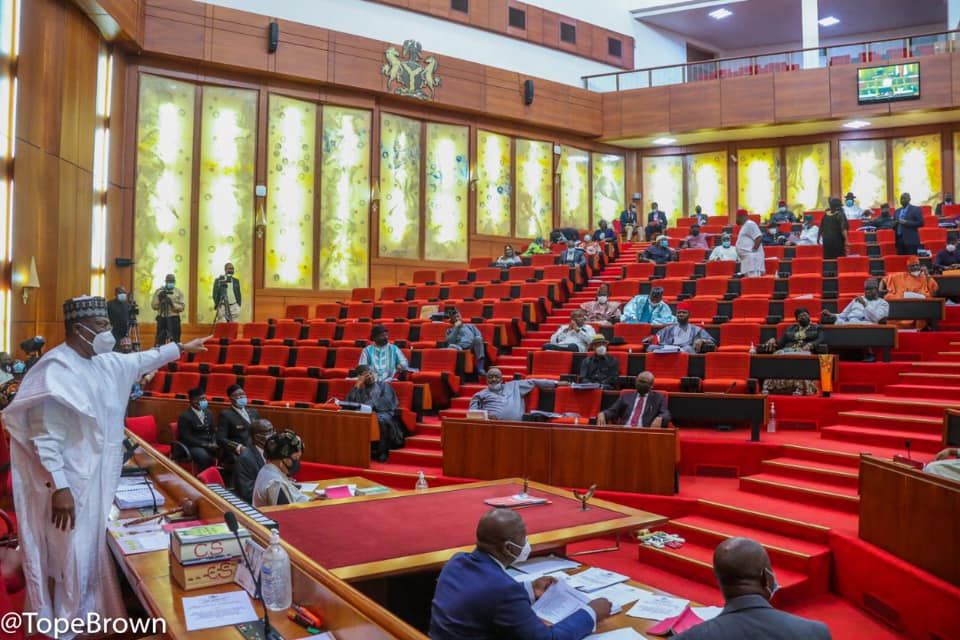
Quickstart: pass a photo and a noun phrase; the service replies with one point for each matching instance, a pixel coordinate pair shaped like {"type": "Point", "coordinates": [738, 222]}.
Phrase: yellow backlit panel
{"type": "Point", "coordinates": [291, 175]}
{"type": "Point", "coordinates": [608, 189]}
{"type": "Point", "coordinates": [493, 184]}
{"type": "Point", "coordinates": [163, 189]}
{"type": "Point", "coordinates": [228, 140]}
{"type": "Point", "coordinates": [863, 170]}
{"type": "Point", "coordinates": [345, 198]}
{"type": "Point", "coordinates": [399, 187]}
{"type": "Point", "coordinates": [446, 182]}
{"type": "Point", "coordinates": [758, 180]}
{"type": "Point", "coordinates": [808, 176]}
{"type": "Point", "coordinates": [917, 169]}
{"type": "Point", "coordinates": [574, 188]}
{"type": "Point", "coordinates": [534, 189]}
{"type": "Point", "coordinates": [707, 182]}
{"type": "Point", "coordinates": [663, 184]}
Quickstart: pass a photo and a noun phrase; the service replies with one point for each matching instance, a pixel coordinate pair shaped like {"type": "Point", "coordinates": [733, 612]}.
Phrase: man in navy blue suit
{"type": "Point", "coordinates": [746, 579]}
{"type": "Point", "coordinates": [476, 599]}
{"type": "Point", "coordinates": [908, 220]}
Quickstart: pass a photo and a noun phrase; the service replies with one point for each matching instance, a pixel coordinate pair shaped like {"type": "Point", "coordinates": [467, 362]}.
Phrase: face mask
{"type": "Point", "coordinates": [683, 321]}
{"type": "Point", "coordinates": [773, 579]}
{"type": "Point", "coordinates": [229, 274]}
{"type": "Point", "coordinates": [602, 299]}
{"type": "Point", "coordinates": [695, 232]}
{"type": "Point", "coordinates": [202, 405]}
{"type": "Point", "coordinates": [241, 401]}
{"type": "Point", "coordinates": [726, 244]}
{"type": "Point", "coordinates": [849, 203]}
{"type": "Point", "coordinates": [508, 253]}
{"type": "Point", "coordinates": [122, 297]}
{"type": "Point", "coordinates": [601, 351]}
{"type": "Point", "coordinates": [642, 389]}
{"type": "Point", "coordinates": [496, 387]}
{"type": "Point", "coordinates": [948, 201]}
{"type": "Point", "coordinates": [664, 243]}
{"type": "Point", "coordinates": [169, 285]}
{"type": "Point", "coordinates": [103, 342]}
{"type": "Point", "coordinates": [579, 322]}
{"type": "Point", "coordinates": [294, 467]}
{"type": "Point", "coordinates": [951, 248]}
{"type": "Point", "coordinates": [915, 272]}
{"type": "Point", "coordinates": [524, 551]}
{"type": "Point", "coordinates": [803, 321]}
{"type": "Point", "coordinates": [19, 367]}
{"type": "Point", "coordinates": [586, 238]}
{"type": "Point", "coordinates": [380, 340]}
{"type": "Point", "coordinates": [870, 294]}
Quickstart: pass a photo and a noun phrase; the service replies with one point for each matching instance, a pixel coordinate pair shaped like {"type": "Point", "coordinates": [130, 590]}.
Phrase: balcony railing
{"type": "Point", "coordinates": [888, 51]}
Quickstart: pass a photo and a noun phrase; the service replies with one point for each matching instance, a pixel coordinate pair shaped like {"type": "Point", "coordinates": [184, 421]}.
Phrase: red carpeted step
{"type": "Point", "coordinates": [942, 392]}
{"type": "Point", "coordinates": [424, 442]}
{"type": "Point", "coordinates": [905, 405]}
{"type": "Point", "coordinates": [418, 457]}
{"type": "Point", "coordinates": [944, 356]}
{"type": "Point", "coordinates": [838, 475]}
{"type": "Point", "coordinates": [429, 429]}
{"type": "Point", "coordinates": [941, 379]}
{"type": "Point", "coordinates": [787, 527]}
{"type": "Point", "coordinates": [900, 422]}
{"type": "Point", "coordinates": [891, 438]}
{"type": "Point", "coordinates": [803, 490]}
{"type": "Point", "coordinates": [935, 367]}
{"type": "Point", "coordinates": [841, 459]}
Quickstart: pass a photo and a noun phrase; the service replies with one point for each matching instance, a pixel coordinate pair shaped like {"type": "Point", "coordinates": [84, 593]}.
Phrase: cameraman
{"type": "Point", "coordinates": [33, 347]}
{"type": "Point", "coordinates": [168, 303]}
{"type": "Point", "coordinates": [226, 295]}
{"type": "Point", "coordinates": [118, 310]}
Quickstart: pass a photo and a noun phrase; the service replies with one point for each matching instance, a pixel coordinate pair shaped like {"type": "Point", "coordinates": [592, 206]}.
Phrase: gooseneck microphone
{"type": "Point", "coordinates": [230, 518]}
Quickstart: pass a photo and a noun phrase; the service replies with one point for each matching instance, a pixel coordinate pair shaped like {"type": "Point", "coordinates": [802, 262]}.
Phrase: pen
{"type": "Point", "coordinates": [302, 622]}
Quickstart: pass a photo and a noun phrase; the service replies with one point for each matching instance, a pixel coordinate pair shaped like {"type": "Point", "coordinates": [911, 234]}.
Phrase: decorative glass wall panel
{"type": "Point", "coordinates": [707, 182]}
{"type": "Point", "coordinates": [917, 169]}
{"type": "Point", "coordinates": [608, 196]}
{"type": "Point", "coordinates": [758, 180]}
{"type": "Point", "coordinates": [399, 187]}
{"type": "Point", "coordinates": [345, 198]}
{"type": "Point", "coordinates": [493, 184]}
{"type": "Point", "coordinates": [291, 174]}
{"type": "Point", "coordinates": [574, 188]}
{"type": "Point", "coordinates": [808, 176]}
{"type": "Point", "coordinates": [163, 188]}
{"type": "Point", "coordinates": [228, 141]}
{"type": "Point", "coordinates": [446, 181]}
{"type": "Point", "coordinates": [534, 189]}
{"type": "Point", "coordinates": [663, 184]}
{"type": "Point", "coordinates": [863, 170]}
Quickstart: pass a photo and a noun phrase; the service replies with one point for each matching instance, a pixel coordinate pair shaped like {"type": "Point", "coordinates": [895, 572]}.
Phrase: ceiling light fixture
{"type": "Point", "coordinates": [664, 140]}
{"type": "Point", "coordinates": [829, 21]}
{"type": "Point", "coordinates": [856, 124]}
{"type": "Point", "coordinates": [720, 14]}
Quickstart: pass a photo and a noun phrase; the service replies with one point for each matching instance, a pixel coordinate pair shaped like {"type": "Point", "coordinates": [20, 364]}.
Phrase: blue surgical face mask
{"type": "Point", "coordinates": [169, 285]}
{"type": "Point", "coordinates": [19, 367]}
{"type": "Point", "coordinates": [849, 203]}
{"type": "Point", "coordinates": [241, 401]}
{"type": "Point", "coordinates": [496, 387]}
{"type": "Point", "coordinates": [664, 243]}
{"type": "Point", "coordinates": [726, 243]}
{"type": "Point", "coordinates": [122, 297]}
{"type": "Point", "coordinates": [202, 405]}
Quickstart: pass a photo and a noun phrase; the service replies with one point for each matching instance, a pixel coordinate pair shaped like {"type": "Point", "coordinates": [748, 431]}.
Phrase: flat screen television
{"type": "Point", "coordinates": [888, 83]}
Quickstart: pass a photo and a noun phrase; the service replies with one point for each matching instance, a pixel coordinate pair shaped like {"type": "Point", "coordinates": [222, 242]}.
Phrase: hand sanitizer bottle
{"type": "Point", "coordinates": [421, 483]}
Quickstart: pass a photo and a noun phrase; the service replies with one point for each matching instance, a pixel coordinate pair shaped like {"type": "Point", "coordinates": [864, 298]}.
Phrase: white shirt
{"type": "Point", "coordinates": [853, 213]}
{"type": "Point", "coordinates": [723, 253]}
{"type": "Point", "coordinates": [581, 337]}
{"type": "Point", "coordinates": [809, 235]}
{"type": "Point", "coordinates": [749, 232]}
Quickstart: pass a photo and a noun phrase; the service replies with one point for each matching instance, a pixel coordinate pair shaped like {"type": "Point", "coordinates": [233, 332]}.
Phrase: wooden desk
{"type": "Point", "coordinates": [948, 286]}
{"type": "Point", "coordinates": [613, 458]}
{"type": "Point", "coordinates": [329, 437]}
{"type": "Point", "coordinates": [359, 481]}
{"type": "Point", "coordinates": [628, 519]}
{"type": "Point", "coordinates": [861, 336]}
{"type": "Point", "coordinates": [912, 515]}
{"type": "Point", "coordinates": [951, 427]}
{"type": "Point", "coordinates": [928, 309]}
{"type": "Point", "coordinates": [722, 407]}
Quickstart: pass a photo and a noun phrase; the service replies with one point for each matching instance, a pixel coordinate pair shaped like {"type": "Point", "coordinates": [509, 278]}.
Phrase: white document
{"type": "Point", "coordinates": [141, 538]}
{"type": "Point", "coordinates": [657, 607]}
{"type": "Point", "coordinates": [558, 602]}
{"type": "Point", "coordinates": [243, 577]}
{"type": "Point", "coordinates": [326, 635]}
{"type": "Point", "coordinates": [545, 564]}
{"type": "Point", "coordinates": [594, 578]}
{"type": "Point", "coordinates": [626, 633]}
{"type": "Point", "coordinates": [308, 487]}
{"type": "Point", "coordinates": [218, 610]}
{"type": "Point", "coordinates": [619, 595]}
{"type": "Point", "coordinates": [707, 613]}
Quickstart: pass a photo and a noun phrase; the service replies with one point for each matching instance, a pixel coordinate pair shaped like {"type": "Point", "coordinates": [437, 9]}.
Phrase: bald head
{"type": "Point", "coordinates": [501, 533]}
{"type": "Point", "coordinates": [742, 568]}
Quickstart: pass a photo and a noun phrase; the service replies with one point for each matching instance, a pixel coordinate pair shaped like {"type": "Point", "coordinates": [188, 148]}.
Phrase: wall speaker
{"type": "Point", "coordinates": [123, 262]}
{"type": "Point", "coordinates": [528, 92]}
{"type": "Point", "coordinates": [273, 37]}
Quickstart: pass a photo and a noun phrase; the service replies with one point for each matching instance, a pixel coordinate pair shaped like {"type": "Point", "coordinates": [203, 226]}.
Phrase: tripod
{"type": "Point", "coordinates": [223, 305]}
{"type": "Point", "coordinates": [134, 333]}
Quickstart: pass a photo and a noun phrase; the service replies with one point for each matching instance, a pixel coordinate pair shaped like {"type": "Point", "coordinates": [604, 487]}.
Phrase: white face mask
{"type": "Point", "coordinates": [603, 299]}
{"type": "Point", "coordinates": [775, 587]}
{"type": "Point", "coordinates": [951, 248]}
{"type": "Point", "coordinates": [103, 342]}
{"type": "Point", "coordinates": [601, 350]}
{"type": "Point", "coordinates": [524, 551]}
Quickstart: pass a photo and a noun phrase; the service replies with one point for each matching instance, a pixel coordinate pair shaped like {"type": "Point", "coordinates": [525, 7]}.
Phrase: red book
{"type": "Point", "coordinates": [677, 624]}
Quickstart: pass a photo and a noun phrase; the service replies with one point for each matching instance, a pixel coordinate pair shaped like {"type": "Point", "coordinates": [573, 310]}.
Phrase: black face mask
{"type": "Point", "coordinates": [643, 389]}
{"type": "Point", "coordinates": [683, 321]}
{"type": "Point", "coordinates": [380, 340]}
{"type": "Point", "coordinates": [294, 467]}
{"type": "Point", "coordinates": [695, 232]}
{"type": "Point", "coordinates": [803, 322]}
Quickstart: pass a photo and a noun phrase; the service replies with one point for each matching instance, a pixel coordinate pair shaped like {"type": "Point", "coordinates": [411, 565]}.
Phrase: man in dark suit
{"type": "Point", "coordinates": [747, 581]}
{"type": "Point", "coordinates": [908, 220]}
{"type": "Point", "coordinates": [251, 460]}
{"type": "Point", "coordinates": [656, 222]}
{"type": "Point", "coordinates": [118, 310]}
{"type": "Point", "coordinates": [476, 599]}
{"type": "Point", "coordinates": [196, 431]}
{"type": "Point", "coordinates": [233, 432]}
{"type": "Point", "coordinates": [644, 408]}
{"type": "Point", "coordinates": [226, 295]}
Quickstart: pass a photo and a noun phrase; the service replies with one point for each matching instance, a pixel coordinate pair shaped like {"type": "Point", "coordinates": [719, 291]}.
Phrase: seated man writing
{"type": "Point", "coordinates": [648, 309]}
{"type": "Point", "coordinates": [687, 337]}
{"type": "Point", "coordinates": [504, 400]}
{"type": "Point", "coordinates": [477, 599]}
{"type": "Point", "coordinates": [275, 483]}
{"type": "Point", "coordinates": [383, 401]}
{"type": "Point", "coordinates": [600, 367]}
{"type": "Point", "coordinates": [642, 408]}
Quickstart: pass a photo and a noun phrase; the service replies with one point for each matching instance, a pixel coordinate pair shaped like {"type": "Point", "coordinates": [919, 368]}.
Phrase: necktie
{"type": "Point", "coordinates": [637, 414]}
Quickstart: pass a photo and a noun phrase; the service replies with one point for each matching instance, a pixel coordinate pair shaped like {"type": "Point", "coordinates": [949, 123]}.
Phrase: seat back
{"type": "Point", "coordinates": [806, 265]}
{"type": "Point", "coordinates": [808, 251]}
{"type": "Point", "coordinates": [583, 402]}
{"type": "Point", "coordinates": [702, 309]}
{"type": "Point", "coordinates": [347, 357]}
{"type": "Point", "coordinates": [680, 269]}
{"type": "Point", "coordinates": [556, 272]}
{"type": "Point", "coordinates": [321, 330]}
{"type": "Point", "coordinates": [722, 364]}
{"type": "Point", "coordinates": [211, 355]}
{"type": "Point", "coordinates": [642, 270]}
{"type": "Point", "coordinates": [692, 255]}
{"type": "Point", "coordinates": [712, 286]}
{"type": "Point", "coordinates": [762, 287]}
{"type": "Point", "coordinates": [813, 305]}
{"type": "Point", "coordinates": [542, 260]}
{"type": "Point", "coordinates": [470, 310]}
{"type": "Point", "coordinates": [510, 309]}
{"type": "Point", "coordinates": [424, 276]}
{"type": "Point", "coordinates": [287, 330]}
{"type": "Point", "coordinates": [535, 290]}
{"type": "Point", "coordinates": [454, 275]}
{"type": "Point", "coordinates": [357, 331]}
{"type": "Point", "coordinates": [363, 294]}
{"type": "Point", "coordinates": [672, 287]}
{"type": "Point", "coordinates": [297, 311]}
{"type": "Point", "coordinates": [312, 357]}
{"type": "Point", "coordinates": [496, 291]}
{"type": "Point", "coordinates": [850, 284]}
{"type": "Point", "coordinates": [461, 292]}
{"type": "Point", "coordinates": [356, 310]}
{"type": "Point", "coordinates": [404, 390]}
{"type": "Point", "coordinates": [433, 332]}
{"type": "Point", "coordinates": [479, 262]}
{"type": "Point", "coordinates": [239, 354]}
{"type": "Point", "coordinates": [439, 360]}
{"type": "Point", "coordinates": [667, 365]}
{"type": "Point", "coordinates": [853, 264]}
{"type": "Point", "coordinates": [394, 310]}
{"type": "Point", "coordinates": [255, 331]}
{"type": "Point", "coordinates": [424, 292]}
{"type": "Point", "coordinates": [750, 309]}
{"type": "Point", "coordinates": [895, 264]}
{"type": "Point", "coordinates": [394, 293]}
{"type": "Point", "coordinates": [300, 389]}
{"type": "Point", "coordinates": [631, 333]}
{"type": "Point", "coordinates": [260, 387]}
{"type": "Point", "coordinates": [328, 311]}
{"type": "Point", "coordinates": [721, 268]}
{"type": "Point", "coordinates": [554, 363]}
{"type": "Point", "coordinates": [226, 330]}
{"type": "Point", "coordinates": [216, 384]}
{"type": "Point", "coordinates": [158, 382]}
{"type": "Point", "coordinates": [488, 274]}
{"type": "Point", "coordinates": [739, 333]}
{"type": "Point", "coordinates": [624, 288]}
{"type": "Point", "coordinates": [806, 283]}
{"type": "Point", "coordinates": [211, 475]}
{"type": "Point", "coordinates": [522, 273]}
{"type": "Point", "coordinates": [143, 426]}
{"type": "Point", "coordinates": [274, 355]}
{"type": "Point", "coordinates": [182, 381]}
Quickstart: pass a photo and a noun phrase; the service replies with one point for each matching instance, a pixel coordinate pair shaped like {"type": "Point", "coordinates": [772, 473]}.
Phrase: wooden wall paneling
{"type": "Point", "coordinates": [537, 27]}
{"type": "Point", "coordinates": [585, 109]}
{"type": "Point", "coordinates": [175, 27]}
{"type": "Point", "coordinates": [584, 47]}
{"type": "Point", "coordinates": [357, 62]}
{"type": "Point", "coordinates": [645, 111]}
{"type": "Point", "coordinates": [802, 95]}
{"type": "Point", "coordinates": [78, 98]}
{"type": "Point", "coordinates": [462, 84]}
{"type": "Point", "coordinates": [954, 78]}
{"type": "Point", "coordinates": [694, 106]}
{"type": "Point", "coordinates": [747, 101]}
{"type": "Point", "coordinates": [120, 20]}
{"type": "Point", "coordinates": [947, 159]}
{"type": "Point", "coordinates": [39, 68]}
{"type": "Point", "coordinates": [504, 93]}
{"type": "Point", "coordinates": [843, 94]}
{"type": "Point", "coordinates": [303, 51]}
{"type": "Point", "coordinates": [611, 108]}
{"type": "Point", "coordinates": [238, 38]}
{"type": "Point", "coordinates": [494, 450]}
{"type": "Point", "coordinates": [936, 85]}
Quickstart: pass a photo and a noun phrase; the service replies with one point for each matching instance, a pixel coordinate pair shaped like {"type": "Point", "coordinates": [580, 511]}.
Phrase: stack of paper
{"type": "Point", "coordinates": [545, 564]}
{"type": "Point", "coordinates": [139, 539]}
{"type": "Point", "coordinates": [559, 601]}
{"type": "Point", "coordinates": [619, 595]}
{"type": "Point", "coordinates": [218, 610]}
{"type": "Point", "coordinates": [137, 496]}
{"type": "Point", "coordinates": [593, 579]}
{"type": "Point", "coordinates": [653, 606]}
{"type": "Point", "coordinates": [626, 633]}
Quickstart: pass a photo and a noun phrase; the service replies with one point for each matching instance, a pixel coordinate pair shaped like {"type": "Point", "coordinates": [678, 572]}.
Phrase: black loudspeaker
{"type": "Point", "coordinates": [528, 92]}
{"type": "Point", "coordinates": [273, 37]}
{"type": "Point", "coordinates": [123, 262]}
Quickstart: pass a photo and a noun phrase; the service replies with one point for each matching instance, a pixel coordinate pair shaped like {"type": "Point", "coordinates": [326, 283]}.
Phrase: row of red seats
{"type": "Point", "coordinates": [716, 287]}
{"type": "Point", "coordinates": [348, 334]}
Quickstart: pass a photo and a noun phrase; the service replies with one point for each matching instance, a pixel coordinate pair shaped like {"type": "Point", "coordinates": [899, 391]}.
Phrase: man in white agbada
{"type": "Point", "coordinates": [869, 308]}
{"type": "Point", "coordinates": [66, 450]}
{"type": "Point", "coordinates": [750, 247]}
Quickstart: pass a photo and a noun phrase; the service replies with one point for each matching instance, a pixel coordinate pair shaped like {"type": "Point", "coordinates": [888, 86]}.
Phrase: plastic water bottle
{"type": "Point", "coordinates": [753, 349]}
{"type": "Point", "coordinates": [772, 422]}
{"type": "Point", "coordinates": [275, 583]}
{"type": "Point", "coordinates": [421, 483]}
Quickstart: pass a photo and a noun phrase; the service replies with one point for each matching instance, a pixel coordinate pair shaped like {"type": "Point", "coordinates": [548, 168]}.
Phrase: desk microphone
{"type": "Point", "coordinates": [129, 449]}
{"type": "Point", "coordinates": [268, 633]}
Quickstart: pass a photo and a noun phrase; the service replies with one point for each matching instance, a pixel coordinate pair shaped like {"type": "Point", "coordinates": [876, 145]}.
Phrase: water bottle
{"type": "Point", "coordinates": [753, 349]}
{"type": "Point", "coordinates": [421, 483]}
{"type": "Point", "coordinates": [772, 422]}
{"type": "Point", "coordinates": [275, 584]}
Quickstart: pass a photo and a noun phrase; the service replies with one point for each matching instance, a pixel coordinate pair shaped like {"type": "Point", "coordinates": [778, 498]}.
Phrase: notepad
{"type": "Point", "coordinates": [593, 579]}
{"type": "Point", "coordinates": [654, 606]}
{"type": "Point", "coordinates": [218, 610]}
{"type": "Point", "coordinates": [627, 633]}
{"type": "Point", "coordinates": [545, 564]}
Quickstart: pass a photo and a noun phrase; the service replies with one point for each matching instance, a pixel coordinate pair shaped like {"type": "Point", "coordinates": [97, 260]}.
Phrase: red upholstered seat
{"type": "Point", "coordinates": [495, 292]}
{"type": "Point", "coordinates": [157, 384]}
{"type": "Point", "coordinates": [859, 265]}
{"type": "Point", "coordinates": [683, 270]}
{"type": "Point", "coordinates": [480, 262]}
{"type": "Point", "coordinates": [441, 369]}
{"type": "Point", "coordinates": [294, 311]}
{"type": "Point", "coordinates": [285, 330]}
{"type": "Point", "coordinates": [702, 310]}
{"type": "Point", "coordinates": [757, 287]}
{"type": "Point", "coordinates": [203, 361]}
{"type": "Point", "coordinates": [215, 384]}
{"type": "Point", "coordinates": [394, 311]}
{"type": "Point", "coordinates": [521, 274]}
{"type": "Point", "coordinates": [753, 310]}
{"type": "Point", "coordinates": [624, 289]}
{"type": "Point", "coordinates": [583, 402]}
{"type": "Point", "coordinates": [806, 283]}
{"type": "Point", "coordinates": [260, 388]}
{"type": "Point", "coordinates": [273, 361]}
{"type": "Point", "coordinates": [351, 332]}
{"type": "Point", "coordinates": [236, 360]}
{"type": "Point", "coordinates": [394, 293]}
{"type": "Point", "coordinates": [851, 284]}
{"type": "Point", "coordinates": [488, 274]}
{"type": "Point", "coordinates": [226, 330]}
{"type": "Point", "coordinates": [558, 272]}
{"type": "Point", "coordinates": [808, 251]}
{"type": "Point", "coordinates": [310, 362]}
{"type": "Point", "coordinates": [895, 264]}
{"type": "Point", "coordinates": [542, 260]}
{"type": "Point", "coordinates": [642, 270]}
{"type": "Point", "coordinates": [345, 360]}
{"type": "Point", "coordinates": [455, 275]}
{"type": "Point", "coordinates": [424, 276]}
{"type": "Point", "coordinates": [363, 294]}
{"type": "Point", "coordinates": [537, 294]}
{"type": "Point", "coordinates": [426, 292]}
{"type": "Point", "coordinates": [738, 336]}
{"type": "Point", "coordinates": [405, 391]}
{"type": "Point", "coordinates": [725, 268]}
{"type": "Point", "coordinates": [777, 252]}
{"type": "Point", "coordinates": [298, 391]}
{"type": "Point", "coordinates": [668, 369]}
{"type": "Point", "coordinates": [430, 334]}
{"type": "Point", "coordinates": [550, 364]}
{"type": "Point", "coordinates": [145, 427]}
{"type": "Point", "coordinates": [813, 305]}
{"type": "Point", "coordinates": [714, 287]}
{"type": "Point", "coordinates": [181, 382]}
{"type": "Point", "coordinates": [727, 372]}
{"type": "Point", "coordinates": [328, 311]}
{"type": "Point", "coordinates": [358, 310]}
{"type": "Point", "coordinates": [672, 287]}
{"type": "Point", "coordinates": [321, 330]}
{"type": "Point", "coordinates": [470, 310]}
{"type": "Point", "coordinates": [632, 334]}
{"type": "Point", "coordinates": [211, 475]}
{"type": "Point", "coordinates": [692, 255]}
{"type": "Point", "coordinates": [461, 292]}
{"type": "Point", "coordinates": [255, 331]}
{"type": "Point", "coordinates": [806, 265]}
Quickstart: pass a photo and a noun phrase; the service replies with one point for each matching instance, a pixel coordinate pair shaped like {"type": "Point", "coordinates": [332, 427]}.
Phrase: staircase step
{"type": "Point", "coordinates": [429, 429]}
{"type": "Point", "coordinates": [417, 457]}
{"type": "Point", "coordinates": [844, 459]}
{"type": "Point", "coordinates": [879, 419]}
{"type": "Point", "coordinates": [838, 475]}
{"type": "Point", "coordinates": [892, 438]}
{"type": "Point", "coordinates": [907, 405]}
{"type": "Point", "coordinates": [424, 442]}
{"type": "Point", "coordinates": [821, 494]}
{"type": "Point", "coordinates": [942, 392]}
{"type": "Point", "coordinates": [793, 529]}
